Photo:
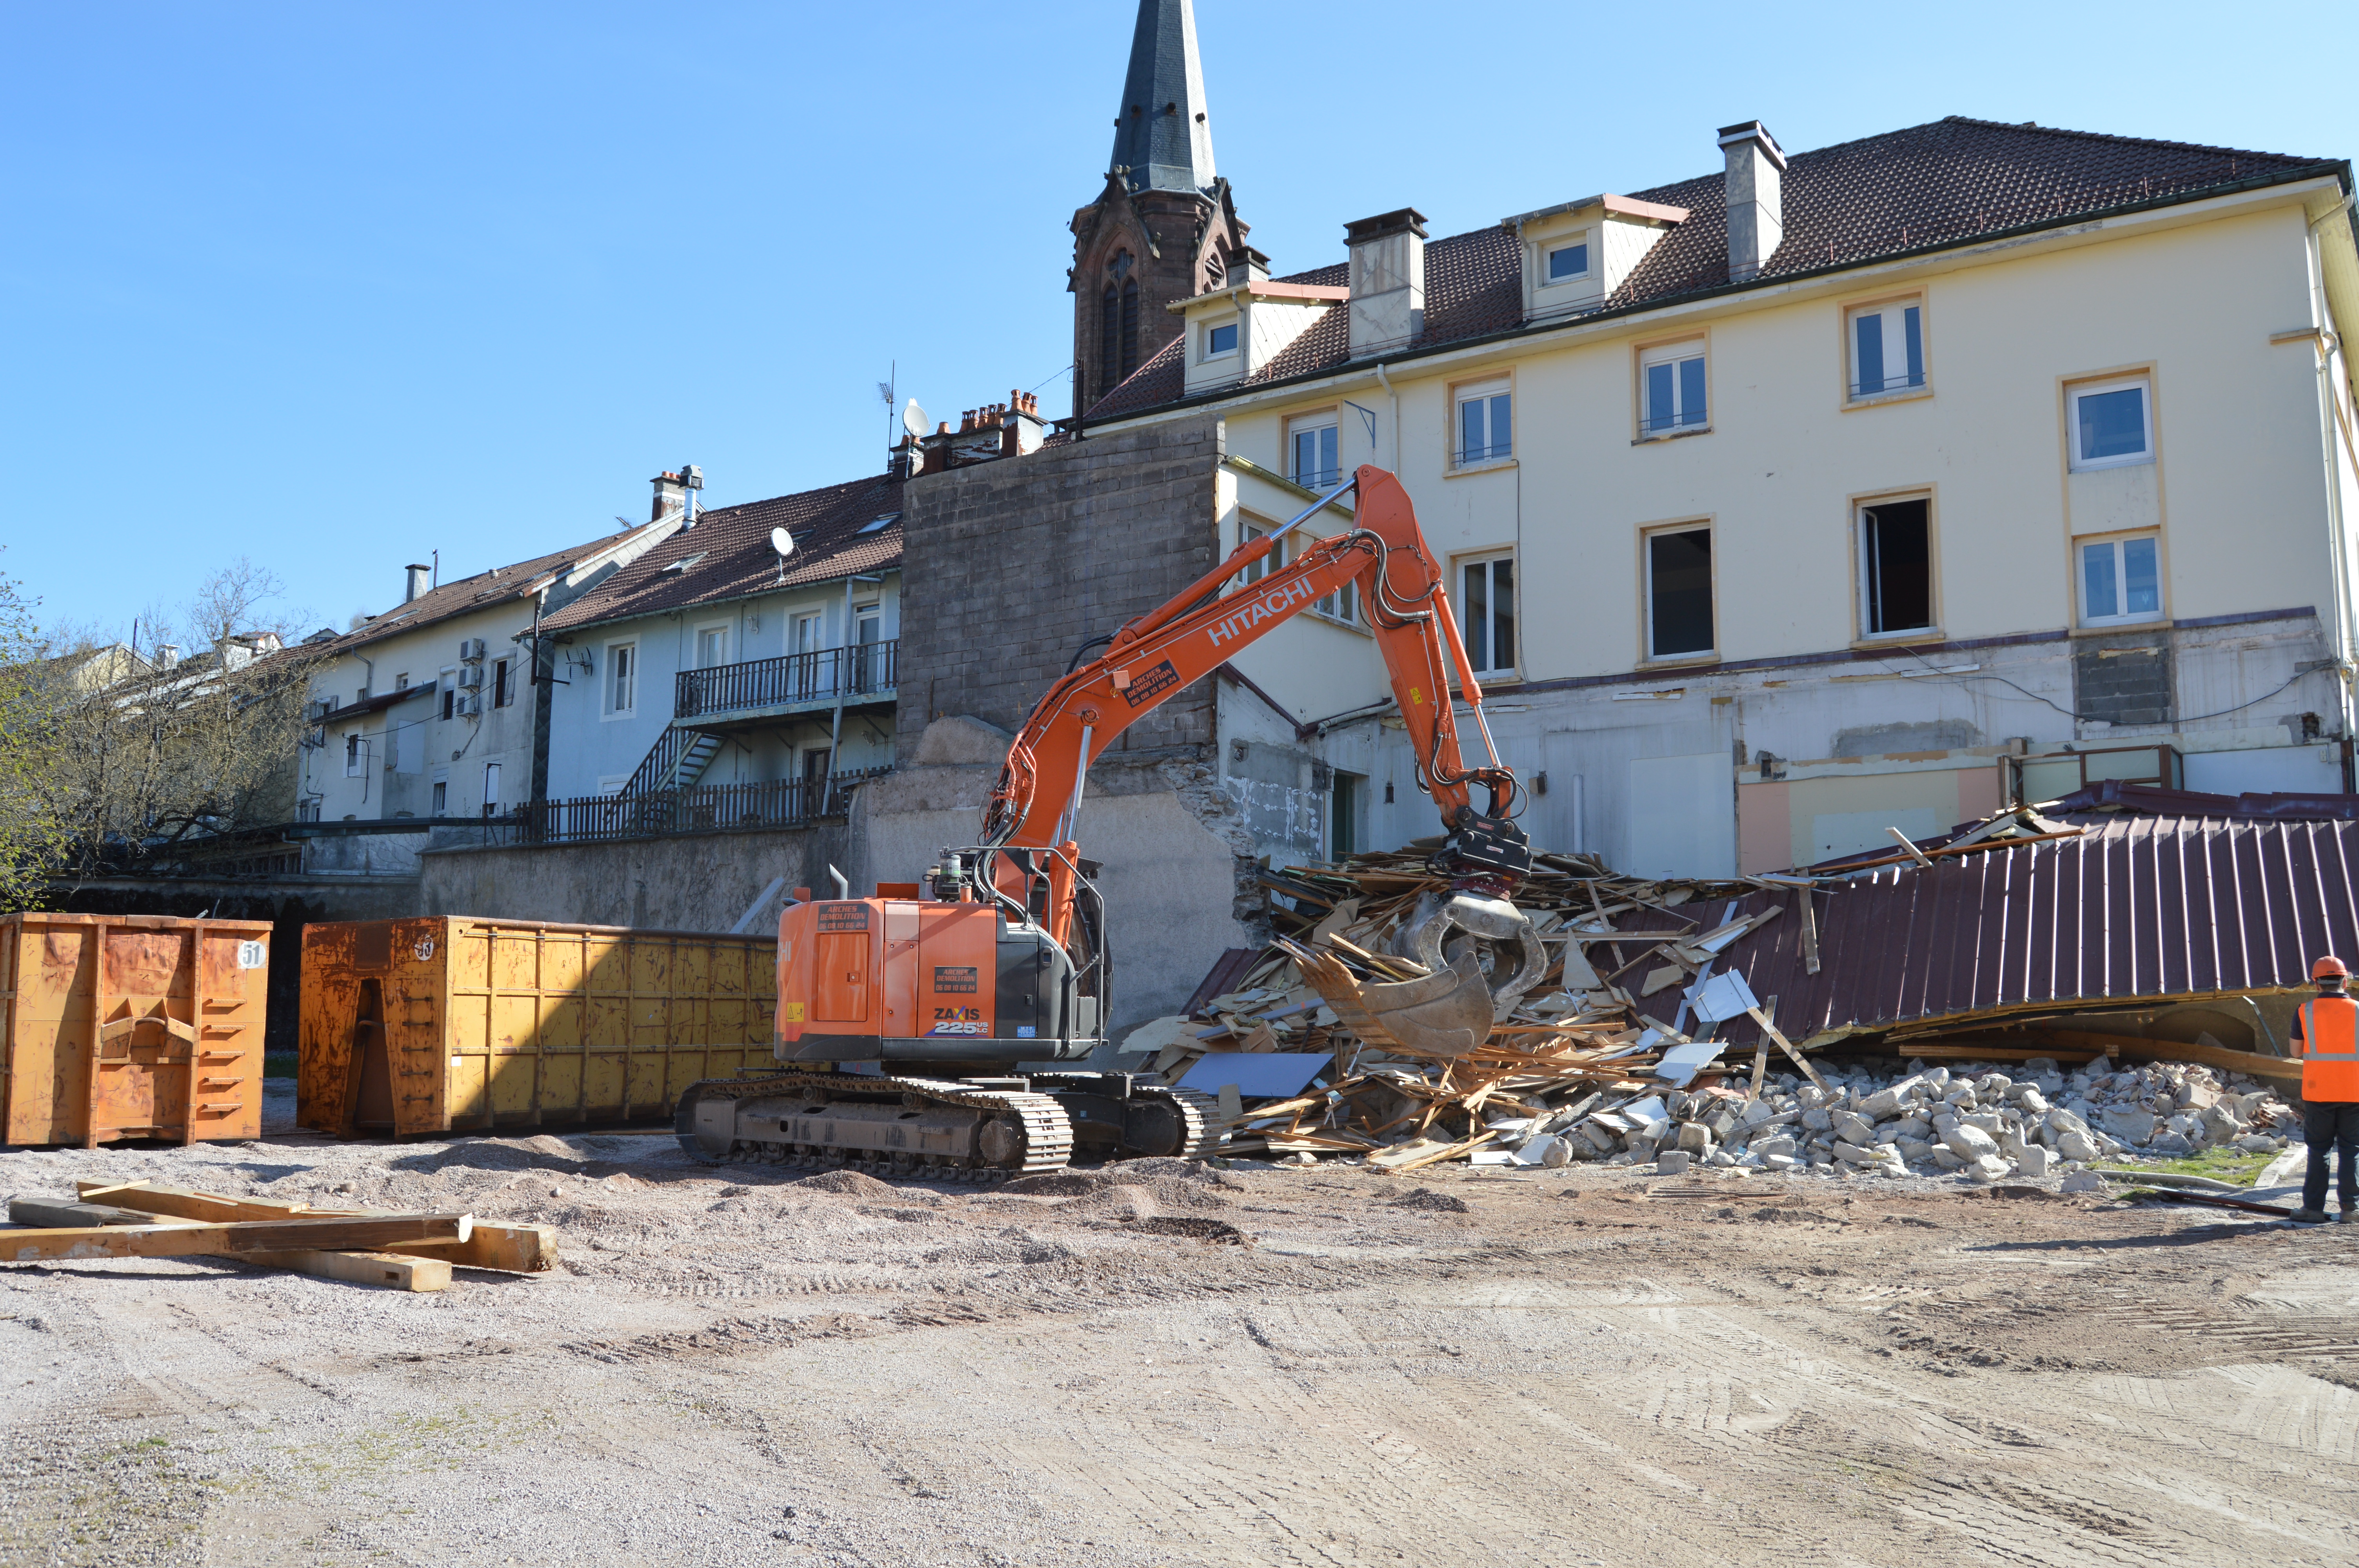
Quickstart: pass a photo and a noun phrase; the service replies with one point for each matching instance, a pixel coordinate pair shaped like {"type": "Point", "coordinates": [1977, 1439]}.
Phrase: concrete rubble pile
{"type": "Point", "coordinates": [1613, 1057]}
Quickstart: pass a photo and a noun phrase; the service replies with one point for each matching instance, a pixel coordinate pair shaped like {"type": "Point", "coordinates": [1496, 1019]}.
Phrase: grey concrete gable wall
{"type": "Point", "coordinates": [1010, 565]}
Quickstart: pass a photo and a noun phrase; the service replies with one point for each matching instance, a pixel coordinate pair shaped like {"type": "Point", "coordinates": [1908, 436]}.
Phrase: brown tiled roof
{"type": "Point", "coordinates": [496, 586]}
{"type": "Point", "coordinates": [1847, 205]}
{"type": "Point", "coordinates": [731, 557]}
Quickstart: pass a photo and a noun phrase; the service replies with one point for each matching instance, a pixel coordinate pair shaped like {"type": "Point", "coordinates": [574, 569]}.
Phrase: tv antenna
{"type": "Point", "coordinates": [888, 391]}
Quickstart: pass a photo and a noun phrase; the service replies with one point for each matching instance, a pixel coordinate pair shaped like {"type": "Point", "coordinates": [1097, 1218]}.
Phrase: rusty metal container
{"type": "Point", "coordinates": [448, 1022]}
{"type": "Point", "coordinates": [115, 1027]}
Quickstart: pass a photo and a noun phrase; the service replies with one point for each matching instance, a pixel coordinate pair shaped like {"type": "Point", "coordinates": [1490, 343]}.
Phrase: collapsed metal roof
{"type": "Point", "coordinates": [2131, 910]}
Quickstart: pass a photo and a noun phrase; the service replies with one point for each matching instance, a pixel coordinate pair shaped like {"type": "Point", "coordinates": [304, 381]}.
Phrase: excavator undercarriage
{"type": "Point", "coordinates": [956, 1129]}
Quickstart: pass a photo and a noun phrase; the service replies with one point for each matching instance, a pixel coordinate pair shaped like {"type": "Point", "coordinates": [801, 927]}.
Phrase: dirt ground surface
{"type": "Point", "coordinates": [1174, 1364]}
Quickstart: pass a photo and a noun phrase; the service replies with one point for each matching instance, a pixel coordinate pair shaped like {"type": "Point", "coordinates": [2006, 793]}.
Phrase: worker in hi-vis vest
{"type": "Point", "coordinates": [2328, 1029]}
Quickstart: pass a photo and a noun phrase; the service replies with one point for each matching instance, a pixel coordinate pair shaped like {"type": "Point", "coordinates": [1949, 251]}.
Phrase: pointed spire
{"type": "Point", "coordinates": [1162, 135]}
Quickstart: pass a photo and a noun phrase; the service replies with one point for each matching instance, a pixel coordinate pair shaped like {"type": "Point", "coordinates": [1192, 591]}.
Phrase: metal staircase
{"type": "Point", "coordinates": [677, 759]}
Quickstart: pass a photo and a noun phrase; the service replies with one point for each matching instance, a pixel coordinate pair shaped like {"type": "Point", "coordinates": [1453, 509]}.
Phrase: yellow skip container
{"type": "Point", "coordinates": [449, 1022]}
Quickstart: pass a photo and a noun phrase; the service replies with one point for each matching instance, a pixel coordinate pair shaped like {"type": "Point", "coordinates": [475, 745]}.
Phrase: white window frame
{"type": "Point", "coordinates": [625, 653]}
{"type": "Point", "coordinates": [490, 789]}
{"type": "Point", "coordinates": [446, 693]}
{"type": "Point", "coordinates": [440, 797]}
{"type": "Point", "coordinates": [1208, 354]}
{"type": "Point", "coordinates": [2144, 385]}
{"type": "Point", "coordinates": [1489, 394]}
{"type": "Point", "coordinates": [1313, 424]}
{"type": "Point", "coordinates": [1675, 355]}
{"type": "Point", "coordinates": [717, 628]}
{"type": "Point", "coordinates": [2117, 544]}
{"type": "Point", "coordinates": [1859, 511]}
{"type": "Point", "coordinates": [1551, 249]}
{"type": "Point", "coordinates": [1895, 327]}
{"type": "Point", "coordinates": [355, 754]}
{"type": "Point", "coordinates": [1488, 560]}
{"type": "Point", "coordinates": [1647, 592]}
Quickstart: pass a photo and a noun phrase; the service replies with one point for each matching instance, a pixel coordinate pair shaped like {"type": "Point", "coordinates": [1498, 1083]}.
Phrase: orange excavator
{"type": "Point", "coordinates": [903, 1018]}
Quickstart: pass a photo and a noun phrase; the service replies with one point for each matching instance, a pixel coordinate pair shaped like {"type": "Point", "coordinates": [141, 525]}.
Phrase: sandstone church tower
{"type": "Point", "coordinates": [1164, 228]}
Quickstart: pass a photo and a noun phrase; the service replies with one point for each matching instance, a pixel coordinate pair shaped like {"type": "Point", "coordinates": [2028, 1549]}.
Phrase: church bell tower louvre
{"type": "Point", "coordinates": [1164, 228]}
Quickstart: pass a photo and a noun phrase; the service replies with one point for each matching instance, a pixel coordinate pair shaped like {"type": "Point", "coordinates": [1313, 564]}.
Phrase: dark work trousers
{"type": "Point", "coordinates": [2330, 1128]}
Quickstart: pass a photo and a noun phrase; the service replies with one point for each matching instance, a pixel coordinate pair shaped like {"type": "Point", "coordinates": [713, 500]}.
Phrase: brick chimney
{"type": "Point", "coordinates": [671, 493]}
{"type": "Point", "coordinates": [1021, 429]}
{"type": "Point", "coordinates": [1757, 221]}
{"type": "Point", "coordinates": [1387, 302]}
{"type": "Point", "coordinates": [421, 581]}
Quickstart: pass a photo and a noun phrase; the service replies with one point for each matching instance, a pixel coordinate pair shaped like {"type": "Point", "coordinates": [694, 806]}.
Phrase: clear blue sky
{"type": "Point", "coordinates": [335, 286]}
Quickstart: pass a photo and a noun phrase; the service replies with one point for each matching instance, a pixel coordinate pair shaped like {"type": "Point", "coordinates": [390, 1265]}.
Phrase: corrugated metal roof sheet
{"type": "Point", "coordinates": [2132, 911]}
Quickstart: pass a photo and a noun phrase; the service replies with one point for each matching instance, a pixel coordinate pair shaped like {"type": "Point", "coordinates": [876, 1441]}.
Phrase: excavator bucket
{"type": "Point", "coordinates": [1449, 1010]}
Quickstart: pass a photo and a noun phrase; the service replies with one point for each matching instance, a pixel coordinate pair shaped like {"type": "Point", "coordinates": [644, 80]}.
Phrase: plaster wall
{"type": "Point", "coordinates": [593, 749]}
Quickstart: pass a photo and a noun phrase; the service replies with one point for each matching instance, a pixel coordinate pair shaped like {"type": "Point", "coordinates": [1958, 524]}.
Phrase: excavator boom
{"type": "Point", "coordinates": [1158, 655]}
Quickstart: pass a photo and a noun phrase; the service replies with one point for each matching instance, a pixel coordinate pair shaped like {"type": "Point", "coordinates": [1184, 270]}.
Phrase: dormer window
{"type": "Point", "coordinates": [1567, 261]}
{"type": "Point", "coordinates": [1220, 339]}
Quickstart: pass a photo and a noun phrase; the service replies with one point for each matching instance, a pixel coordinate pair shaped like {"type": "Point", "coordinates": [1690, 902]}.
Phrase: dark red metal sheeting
{"type": "Point", "coordinates": [2135, 910]}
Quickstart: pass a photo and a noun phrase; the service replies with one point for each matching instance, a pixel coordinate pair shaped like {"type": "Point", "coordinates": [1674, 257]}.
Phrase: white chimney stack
{"type": "Point", "coordinates": [421, 581]}
{"type": "Point", "coordinates": [1387, 302]}
{"type": "Point", "coordinates": [1756, 222]}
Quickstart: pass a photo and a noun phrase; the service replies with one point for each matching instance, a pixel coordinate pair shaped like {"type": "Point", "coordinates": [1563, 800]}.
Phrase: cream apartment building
{"type": "Point", "coordinates": [430, 710]}
{"type": "Point", "coordinates": [1828, 492]}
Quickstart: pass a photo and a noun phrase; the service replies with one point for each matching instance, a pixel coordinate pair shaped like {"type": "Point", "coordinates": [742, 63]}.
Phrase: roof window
{"type": "Point", "coordinates": [890, 517]}
{"type": "Point", "coordinates": [682, 564]}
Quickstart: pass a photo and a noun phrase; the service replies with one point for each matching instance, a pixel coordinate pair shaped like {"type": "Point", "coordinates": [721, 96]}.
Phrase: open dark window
{"type": "Point", "coordinates": [1679, 594]}
{"type": "Point", "coordinates": [1895, 561]}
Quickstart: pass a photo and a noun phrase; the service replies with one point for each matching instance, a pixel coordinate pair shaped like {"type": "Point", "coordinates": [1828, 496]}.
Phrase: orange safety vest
{"type": "Point", "coordinates": [2330, 1050]}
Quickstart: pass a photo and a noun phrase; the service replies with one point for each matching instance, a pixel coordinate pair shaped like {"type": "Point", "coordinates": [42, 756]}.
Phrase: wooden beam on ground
{"type": "Point", "coordinates": [385, 1269]}
{"type": "Point", "coordinates": [1787, 1045]}
{"type": "Point", "coordinates": [510, 1249]}
{"type": "Point", "coordinates": [184, 1240]}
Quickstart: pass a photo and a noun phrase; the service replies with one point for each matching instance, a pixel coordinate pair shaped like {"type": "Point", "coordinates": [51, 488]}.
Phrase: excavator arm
{"type": "Point", "coordinates": [1155, 657]}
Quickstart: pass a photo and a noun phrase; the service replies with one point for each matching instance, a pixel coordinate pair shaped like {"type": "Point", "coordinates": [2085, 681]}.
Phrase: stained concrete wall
{"type": "Point", "coordinates": [699, 883]}
{"type": "Point", "coordinates": [1009, 567]}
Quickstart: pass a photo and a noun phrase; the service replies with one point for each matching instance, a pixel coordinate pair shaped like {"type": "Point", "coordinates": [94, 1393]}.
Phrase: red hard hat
{"type": "Point", "coordinates": [2329, 967]}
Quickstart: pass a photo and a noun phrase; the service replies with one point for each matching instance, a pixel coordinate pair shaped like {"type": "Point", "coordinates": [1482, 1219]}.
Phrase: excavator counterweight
{"type": "Point", "coordinates": [999, 958]}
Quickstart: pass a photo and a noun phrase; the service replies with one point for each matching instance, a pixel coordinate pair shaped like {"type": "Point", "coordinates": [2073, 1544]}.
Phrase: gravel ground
{"type": "Point", "coordinates": [1172, 1363]}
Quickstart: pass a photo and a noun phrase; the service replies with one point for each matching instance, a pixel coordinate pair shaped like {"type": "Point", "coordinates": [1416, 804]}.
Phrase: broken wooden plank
{"type": "Point", "coordinates": [510, 1249]}
{"type": "Point", "coordinates": [1787, 1045]}
{"type": "Point", "coordinates": [183, 1240]}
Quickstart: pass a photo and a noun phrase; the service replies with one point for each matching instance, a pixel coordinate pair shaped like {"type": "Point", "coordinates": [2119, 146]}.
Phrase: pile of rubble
{"type": "Point", "coordinates": [1613, 1057]}
{"type": "Point", "coordinates": [2036, 1119]}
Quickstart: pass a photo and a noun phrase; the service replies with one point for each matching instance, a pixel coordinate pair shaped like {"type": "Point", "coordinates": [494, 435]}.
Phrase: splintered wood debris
{"type": "Point", "coordinates": [1577, 1060]}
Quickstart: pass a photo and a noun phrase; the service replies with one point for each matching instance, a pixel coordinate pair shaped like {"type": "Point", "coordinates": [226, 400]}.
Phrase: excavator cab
{"type": "Point", "coordinates": [965, 966]}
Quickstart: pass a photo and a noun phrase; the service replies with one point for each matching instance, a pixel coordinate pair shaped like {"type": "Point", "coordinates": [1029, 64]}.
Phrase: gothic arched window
{"type": "Point", "coordinates": [1109, 340]}
{"type": "Point", "coordinates": [1129, 326]}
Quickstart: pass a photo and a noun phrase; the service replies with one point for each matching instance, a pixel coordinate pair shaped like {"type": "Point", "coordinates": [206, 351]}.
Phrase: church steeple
{"type": "Point", "coordinates": [1164, 227]}
{"type": "Point", "coordinates": [1163, 139]}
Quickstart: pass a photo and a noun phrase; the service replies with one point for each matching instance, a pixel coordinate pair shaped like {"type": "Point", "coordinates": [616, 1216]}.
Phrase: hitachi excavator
{"type": "Point", "coordinates": [902, 1017]}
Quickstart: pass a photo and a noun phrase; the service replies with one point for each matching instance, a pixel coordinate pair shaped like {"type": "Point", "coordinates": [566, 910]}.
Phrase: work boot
{"type": "Point", "coordinates": [2310, 1216]}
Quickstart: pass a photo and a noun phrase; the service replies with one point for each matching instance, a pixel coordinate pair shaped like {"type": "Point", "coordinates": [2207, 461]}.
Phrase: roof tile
{"type": "Point", "coordinates": [1850, 203]}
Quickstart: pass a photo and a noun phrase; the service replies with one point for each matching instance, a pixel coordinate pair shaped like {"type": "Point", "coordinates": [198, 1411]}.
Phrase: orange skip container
{"type": "Point", "coordinates": [115, 1027]}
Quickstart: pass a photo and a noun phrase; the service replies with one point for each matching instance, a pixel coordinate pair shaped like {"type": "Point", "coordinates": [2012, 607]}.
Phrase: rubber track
{"type": "Point", "coordinates": [1047, 1133]}
{"type": "Point", "coordinates": [1200, 1114]}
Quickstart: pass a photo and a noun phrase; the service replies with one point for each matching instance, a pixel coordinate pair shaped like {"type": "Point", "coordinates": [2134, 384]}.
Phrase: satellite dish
{"type": "Point", "coordinates": [913, 419]}
{"type": "Point", "coordinates": [782, 541]}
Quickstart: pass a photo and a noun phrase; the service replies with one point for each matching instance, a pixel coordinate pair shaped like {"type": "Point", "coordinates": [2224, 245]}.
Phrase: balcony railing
{"type": "Point", "coordinates": [699, 808]}
{"type": "Point", "coordinates": [864, 672]}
